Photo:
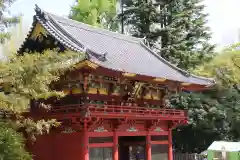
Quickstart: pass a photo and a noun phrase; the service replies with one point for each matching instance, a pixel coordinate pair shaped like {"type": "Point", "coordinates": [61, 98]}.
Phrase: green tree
{"type": "Point", "coordinates": [12, 146]}
{"type": "Point", "coordinates": [226, 69]}
{"type": "Point", "coordinates": [214, 114]}
{"type": "Point", "coordinates": [22, 79]}
{"type": "Point", "coordinates": [100, 13]}
{"type": "Point", "coordinates": [176, 29]}
{"type": "Point", "coordinates": [225, 66]}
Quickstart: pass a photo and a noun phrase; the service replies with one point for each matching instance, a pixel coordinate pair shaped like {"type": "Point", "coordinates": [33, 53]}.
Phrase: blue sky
{"type": "Point", "coordinates": [223, 15]}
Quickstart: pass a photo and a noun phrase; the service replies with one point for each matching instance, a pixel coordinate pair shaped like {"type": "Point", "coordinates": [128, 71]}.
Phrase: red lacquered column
{"type": "Point", "coordinates": [170, 148]}
{"type": "Point", "coordinates": [115, 145]}
{"type": "Point", "coordinates": [85, 143]}
{"type": "Point", "coordinates": [148, 147]}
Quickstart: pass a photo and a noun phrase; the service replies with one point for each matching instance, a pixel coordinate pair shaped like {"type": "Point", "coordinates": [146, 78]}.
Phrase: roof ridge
{"type": "Point", "coordinates": [70, 29]}
{"type": "Point", "coordinates": [78, 43]}
{"type": "Point", "coordinates": [99, 30]}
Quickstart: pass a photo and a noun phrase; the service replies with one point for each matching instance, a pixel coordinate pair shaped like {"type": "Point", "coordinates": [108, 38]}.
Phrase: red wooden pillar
{"type": "Point", "coordinates": [115, 145]}
{"type": "Point", "coordinates": [85, 143]}
{"type": "Point", "coordinates": [148, 147]}
{"type": "Point", "coordinates": [170, 148]}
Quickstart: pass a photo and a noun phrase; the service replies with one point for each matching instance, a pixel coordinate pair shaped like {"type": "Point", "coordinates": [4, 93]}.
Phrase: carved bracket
{"type": "Point", "coordinates": [153, 125]}
{"type": "Point", "coordinates": [131, 126]}
{"type": "Point", "coordinates": [132, 129]}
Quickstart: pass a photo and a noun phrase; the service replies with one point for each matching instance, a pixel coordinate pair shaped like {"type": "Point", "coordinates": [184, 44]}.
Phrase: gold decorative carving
{"type": "Point", "coordinates": [148, 94]}
{"type": "Point", "coordinates": [92, 90]}
{"type": "Point", "coordinates": [137, 89]}
{"type": "Point", "coordinates": [185, 84]}
{"type": "Point", "coordinates": [102, 91]}
{"type": "Point", "coordinates": [76, 90]}
{"type": "Point", "coordinates": [129, 74]}
{"type": "Point", "coordinates": [160, 79]}
{"type": "Point", "coordinates": [39, 32]}
{"type": "Point", "coordinates": [156, 94]}
{"type": "Point", "coordinates": [86, 63]}
{"type": "Point", "coordinates": [66, 91]}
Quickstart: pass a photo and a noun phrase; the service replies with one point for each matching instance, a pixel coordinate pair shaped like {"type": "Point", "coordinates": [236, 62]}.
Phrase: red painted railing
{"type": "Point", "coordinates": [114, 111]}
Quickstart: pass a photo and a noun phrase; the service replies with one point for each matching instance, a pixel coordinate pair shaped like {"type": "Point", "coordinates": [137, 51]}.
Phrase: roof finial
{"type": "Point", "coordinates": [37, 9]}
{"type": "Point", "coordinates": [40, 13]}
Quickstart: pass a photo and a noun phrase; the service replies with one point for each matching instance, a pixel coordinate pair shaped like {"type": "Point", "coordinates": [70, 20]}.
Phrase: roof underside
{"type": "Point", "coordinates": [112, 50]}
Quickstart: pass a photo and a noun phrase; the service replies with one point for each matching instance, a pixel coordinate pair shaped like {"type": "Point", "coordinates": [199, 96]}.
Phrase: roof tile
{"type": "Point", "coordinates": [123, 53]}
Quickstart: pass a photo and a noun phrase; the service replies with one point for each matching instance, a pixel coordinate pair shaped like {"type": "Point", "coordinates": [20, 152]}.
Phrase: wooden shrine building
{"type": "Point", "coordinates": [115, 104]}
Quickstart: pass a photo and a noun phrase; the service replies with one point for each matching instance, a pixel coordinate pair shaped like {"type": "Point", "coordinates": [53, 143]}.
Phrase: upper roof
{"type": "Point", "coordinates": [224, 146]}
{"type": "Point", "coordinates": [113, 50]}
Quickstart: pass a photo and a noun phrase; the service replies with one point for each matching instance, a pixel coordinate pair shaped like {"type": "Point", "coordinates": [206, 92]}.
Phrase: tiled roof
{"type": "Point", "coordinates": [112, 50]}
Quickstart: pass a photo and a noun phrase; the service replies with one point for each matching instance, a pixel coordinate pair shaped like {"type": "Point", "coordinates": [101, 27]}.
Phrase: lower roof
{"type": "Point", "coordinates": [114, 51]}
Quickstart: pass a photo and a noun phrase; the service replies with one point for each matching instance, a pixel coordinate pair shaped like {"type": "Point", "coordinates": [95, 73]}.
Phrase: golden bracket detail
{"type": "Point", "coordinates": [185, 84]}
{"type": "Point", "coordinates": [129, 74]}
{"type": "Point", "coordinates": [160, 79]}
{"type": "Point", "coordinates": [86, 63]}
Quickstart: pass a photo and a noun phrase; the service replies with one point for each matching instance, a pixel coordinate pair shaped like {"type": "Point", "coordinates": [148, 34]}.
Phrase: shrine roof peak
{"type": "Point", "coordinates": [112, 50]}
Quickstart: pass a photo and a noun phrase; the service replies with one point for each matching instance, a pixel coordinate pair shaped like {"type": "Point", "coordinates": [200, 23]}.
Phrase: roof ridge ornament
{"type": "Point", "coordinates": [101, 57]}
{"type": "Point", "coordinates": [40, 13]}
{"type": "Point", "coordinates": [38, 10]}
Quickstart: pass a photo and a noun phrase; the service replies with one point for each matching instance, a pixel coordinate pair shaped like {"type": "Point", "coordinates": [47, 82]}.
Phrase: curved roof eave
{"type": "Point", "coordinates": [67, 39]}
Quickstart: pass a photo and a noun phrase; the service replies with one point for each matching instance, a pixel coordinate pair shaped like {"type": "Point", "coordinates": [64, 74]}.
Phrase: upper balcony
{"type": "Point", "coordinates": [115, 111]}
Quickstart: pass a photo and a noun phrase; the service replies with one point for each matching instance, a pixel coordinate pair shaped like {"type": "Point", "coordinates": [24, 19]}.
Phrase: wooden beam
{"type": "Point", "coordinates": [141, 133]}
{"type": "Point", "coordinates": [159, 142]}
{"type": "Point", "coordinates": [96, 145]}
{"type": "Point", "coordinates": [100, 134]}
{"type": "Point", "coordinates": [159, 79]}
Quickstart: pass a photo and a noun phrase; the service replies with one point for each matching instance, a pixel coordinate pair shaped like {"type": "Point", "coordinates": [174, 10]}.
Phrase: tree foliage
{"type": "Point", "coordinates": [225, 67]}
{"type": "Point", "coordinates": [175, 29]}
{"type": "Point", "coordinates": [12, 146]}
{"type": "Point", "coordinates": [100, 13]}
{"type": "Point", "coordinates": [27, 77]}
{"type": "Point", "coordinates": [24, 78]}
{"type": "Point", "coordinates": [214, 114]}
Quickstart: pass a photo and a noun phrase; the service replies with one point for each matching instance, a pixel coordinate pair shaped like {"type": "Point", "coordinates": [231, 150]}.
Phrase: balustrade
{"type": "Point", "coordinates": [115, 111]}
